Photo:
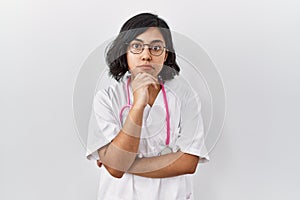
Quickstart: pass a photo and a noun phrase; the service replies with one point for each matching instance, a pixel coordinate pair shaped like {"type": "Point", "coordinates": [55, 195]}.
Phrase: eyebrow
{"type": "Point", "coordinates": [150, 42]}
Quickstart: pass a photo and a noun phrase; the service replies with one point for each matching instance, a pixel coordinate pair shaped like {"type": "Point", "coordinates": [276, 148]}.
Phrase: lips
{"type": "Point", "coordinates": [146, 66]}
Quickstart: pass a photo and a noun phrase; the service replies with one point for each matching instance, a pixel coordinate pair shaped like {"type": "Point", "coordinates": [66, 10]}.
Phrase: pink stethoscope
{"type": "Point", "coordinates": [168, 149]}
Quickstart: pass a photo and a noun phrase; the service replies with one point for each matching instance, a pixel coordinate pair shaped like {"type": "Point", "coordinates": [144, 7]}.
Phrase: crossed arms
{"type": "Point", "coordinates": [119, 156]}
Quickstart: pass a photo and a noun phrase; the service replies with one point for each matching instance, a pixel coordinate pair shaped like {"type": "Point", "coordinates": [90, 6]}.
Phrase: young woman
{"type": "Point", "coordinates": [148, 138]}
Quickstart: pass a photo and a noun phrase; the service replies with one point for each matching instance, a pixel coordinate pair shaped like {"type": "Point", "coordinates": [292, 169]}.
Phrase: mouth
{"type": "Point", "coordinates": [146, 66]}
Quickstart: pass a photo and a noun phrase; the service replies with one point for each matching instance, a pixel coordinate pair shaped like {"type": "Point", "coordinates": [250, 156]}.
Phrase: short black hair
{"type": "Point", "coordinates": [116, 52]}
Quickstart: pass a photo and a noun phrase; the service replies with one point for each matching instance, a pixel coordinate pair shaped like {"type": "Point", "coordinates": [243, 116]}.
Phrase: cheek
{"type": "Point", "coordinates": [159, 60]}
{"type": "Point", "coordinates": [130, 61]}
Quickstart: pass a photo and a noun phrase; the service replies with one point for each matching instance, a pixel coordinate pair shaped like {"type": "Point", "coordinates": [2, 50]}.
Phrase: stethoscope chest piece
{"type": "Point", "coordinates": [166, 150]}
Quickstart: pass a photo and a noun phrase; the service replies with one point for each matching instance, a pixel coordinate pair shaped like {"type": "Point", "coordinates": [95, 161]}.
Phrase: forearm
{"type": "Point", "coordinates": [164, 166]}
{"type": "Point", "coordinates": [119, 155]}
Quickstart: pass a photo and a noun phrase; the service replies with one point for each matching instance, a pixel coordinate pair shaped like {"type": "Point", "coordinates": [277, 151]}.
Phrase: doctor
{"type": "Point", "coordinates": [148, 130]}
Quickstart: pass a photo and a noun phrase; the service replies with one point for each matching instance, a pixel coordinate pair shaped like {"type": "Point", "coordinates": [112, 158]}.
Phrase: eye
{"type": "Point", "coordinates": [136, 45]}
{"type": "Point", "coordinates": [156, 47]}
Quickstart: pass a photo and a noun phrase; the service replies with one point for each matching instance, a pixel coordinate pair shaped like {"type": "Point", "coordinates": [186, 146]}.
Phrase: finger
{"type": "Point", "coordinates": [153, 77]}
{"type": "Point", "coordinates": [144, 74]}
{"type": "Point", "coordinates": [152, 82]}
{"type": "Point", "coordinates": [143, 83]}
{"type": "Point", "coordinates": [147, 75]}
{"type": "Point", "coordinates": [142, 78]}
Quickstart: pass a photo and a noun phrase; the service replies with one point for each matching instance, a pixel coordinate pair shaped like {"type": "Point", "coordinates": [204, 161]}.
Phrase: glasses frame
{"type": "Point", "coordinates": [149, 48]}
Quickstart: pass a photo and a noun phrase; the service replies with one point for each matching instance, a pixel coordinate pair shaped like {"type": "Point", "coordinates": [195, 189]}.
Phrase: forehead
{"type": "Point", "coordinates": [151, 34]}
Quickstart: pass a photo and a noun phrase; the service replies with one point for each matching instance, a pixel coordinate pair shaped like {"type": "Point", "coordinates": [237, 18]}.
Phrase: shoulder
{"type": "Point", "coordinates": [181, 88]}
{"type": "Point", "coordinates": [111, 91]}
{"type": "Point", "coordinates": [111, 98]}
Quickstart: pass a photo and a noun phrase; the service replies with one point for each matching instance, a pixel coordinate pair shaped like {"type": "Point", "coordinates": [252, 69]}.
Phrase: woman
{"type": "Point", "coordinates": [149, 130]}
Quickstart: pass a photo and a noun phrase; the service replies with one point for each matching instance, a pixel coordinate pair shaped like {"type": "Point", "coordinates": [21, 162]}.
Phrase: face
{"type": "Point", "coordinates": [141, 59]}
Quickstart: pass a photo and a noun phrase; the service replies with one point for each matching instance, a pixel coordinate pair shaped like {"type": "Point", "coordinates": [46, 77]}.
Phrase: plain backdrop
{"type": "Point", "coordinates": [254, 44]}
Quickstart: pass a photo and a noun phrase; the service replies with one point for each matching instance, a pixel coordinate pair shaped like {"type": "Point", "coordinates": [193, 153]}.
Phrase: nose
{"type": "Point", "coordinates": [145, 55]}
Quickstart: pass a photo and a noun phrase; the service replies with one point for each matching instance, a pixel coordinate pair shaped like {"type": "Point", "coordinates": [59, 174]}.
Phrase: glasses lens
{"type": "Point", "coordinates": [156, 48]}
{"type": "Point", "coordinates": [136, 47]}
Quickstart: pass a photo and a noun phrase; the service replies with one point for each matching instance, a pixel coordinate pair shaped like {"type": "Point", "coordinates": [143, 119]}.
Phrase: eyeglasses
{"type": "Point", "coordinates": [156, 48]}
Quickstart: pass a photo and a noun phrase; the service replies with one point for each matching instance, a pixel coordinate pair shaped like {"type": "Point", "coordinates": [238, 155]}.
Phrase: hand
{"type": "Point", "coordinates": [140, 85]}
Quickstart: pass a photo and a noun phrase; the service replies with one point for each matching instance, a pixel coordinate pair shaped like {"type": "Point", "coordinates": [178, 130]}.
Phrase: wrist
{"type": "Point", "coordinates": [136, 106]}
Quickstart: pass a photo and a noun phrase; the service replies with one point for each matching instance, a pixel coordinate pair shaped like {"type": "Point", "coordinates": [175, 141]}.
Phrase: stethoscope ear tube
{"type": "Point", "coordinates": [167, 112]}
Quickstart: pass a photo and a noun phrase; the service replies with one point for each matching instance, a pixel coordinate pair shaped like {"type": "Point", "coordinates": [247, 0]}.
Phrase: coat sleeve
{"type": "Point", "coordinates": [191, 134]}
{"type": "Point", "coordinates": [103, 125]}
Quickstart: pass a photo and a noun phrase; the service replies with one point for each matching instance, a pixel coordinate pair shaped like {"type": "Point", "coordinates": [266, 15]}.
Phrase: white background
{"type": "Point", "coordinates": [254, 44]}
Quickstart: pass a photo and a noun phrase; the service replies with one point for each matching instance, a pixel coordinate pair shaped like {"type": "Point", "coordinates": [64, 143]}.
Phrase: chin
{"type": "Point", "coordinates": [146, 71]}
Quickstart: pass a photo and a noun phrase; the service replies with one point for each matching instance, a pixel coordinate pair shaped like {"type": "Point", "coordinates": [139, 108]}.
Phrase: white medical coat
{"type": "Point", "coordinates": [186, 135]}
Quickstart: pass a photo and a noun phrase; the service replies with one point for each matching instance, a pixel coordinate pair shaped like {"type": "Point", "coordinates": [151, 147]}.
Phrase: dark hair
{"type": "Point", "coordinates": [116, 51]}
